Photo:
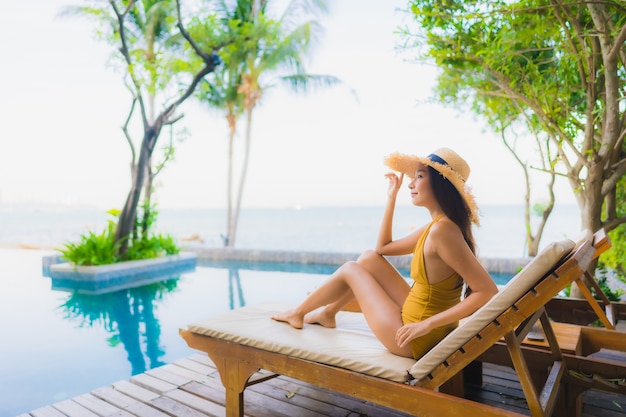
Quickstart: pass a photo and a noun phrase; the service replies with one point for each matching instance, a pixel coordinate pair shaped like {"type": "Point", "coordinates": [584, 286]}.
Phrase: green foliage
{"type": "Point", "coordinates": [102, 249]}
{"type": "Point", "coordinates": [256, 48]}
{"type": "Point", "coordinates": [152, 247]}
{"type": "Point", "coordinates": [538, 209]}
{"type": "Point", "coordinates": [616, 257]}
{"type": "Point", "coordinates": [502, 58]}
{"type": "Point", "coordinates": [94, 249]}
{"type": "Point", "coordinates": [602, 278]}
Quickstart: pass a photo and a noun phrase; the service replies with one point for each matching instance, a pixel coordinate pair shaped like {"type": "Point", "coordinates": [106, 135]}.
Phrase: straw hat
{"type": "Point", "coordinates": [445, 161]}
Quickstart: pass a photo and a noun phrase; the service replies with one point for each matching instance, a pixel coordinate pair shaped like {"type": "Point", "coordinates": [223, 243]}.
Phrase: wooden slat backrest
{"type": "Point", "coordinates": [563, 275]}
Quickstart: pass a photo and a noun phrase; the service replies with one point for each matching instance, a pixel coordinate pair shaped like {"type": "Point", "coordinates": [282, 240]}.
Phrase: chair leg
{"type": "Point", "coordinates": [593, 303]}
{"type": "Point", "coordinates": [530, 391]}
{"type": "Point", "coordinates": [235, 374]}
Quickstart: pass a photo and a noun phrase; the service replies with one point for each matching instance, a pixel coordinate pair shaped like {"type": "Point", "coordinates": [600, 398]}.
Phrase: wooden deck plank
{"type": "Point", "coordinates": [197, 403]}
{"type": "Point", "coordinates": [175, 408]}
{"type": "Point", "coordinates": [192, 388]}
{"type": "Point", "coordinates": [493, 395]}
{"type": "Point", "coordinates": [151, 383]}
{"type": "Point", "coordinates": [602, 412]}
{"type": "Point", "coordinates": [73, 409]}
{"type": "Point", "coordinates": [196, 366]}
{"type": "Point", "coordinates": [47, 411]}
{"type": "Point", "coordinates": [123, 401]}
{"type": "Point", "coordinates": [201, 357]}
{"type": "Point", "coordinates": [611, 403]}
{"type": "Point", "coordinates": [163, 374]}
{"type": "Point", "coordinates": [187, 373]}
{"type": "Point", "coordinates": [503, 385]}
{"type": "Point", "coordinates": [98, 406]}
{"type": "Point", "coordinates": [135, 391]}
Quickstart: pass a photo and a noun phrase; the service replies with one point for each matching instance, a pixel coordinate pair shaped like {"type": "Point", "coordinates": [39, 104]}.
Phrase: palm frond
{"type": "Point", "coordinates": [307, 82]}
{"type": "Point", "coordinates": [157, 26]}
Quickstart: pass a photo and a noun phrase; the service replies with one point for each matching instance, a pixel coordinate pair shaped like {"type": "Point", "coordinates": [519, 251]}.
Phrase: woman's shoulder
{"type": "Point", "coordinates": [446, 230]}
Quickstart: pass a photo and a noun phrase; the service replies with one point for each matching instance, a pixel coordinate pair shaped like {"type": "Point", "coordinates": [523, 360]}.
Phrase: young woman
{"type": "Point", "coordinates": [410, 320]}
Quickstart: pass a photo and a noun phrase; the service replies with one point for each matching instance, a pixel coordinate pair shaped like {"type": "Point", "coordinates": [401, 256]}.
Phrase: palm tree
{"type": "Point", "coordinates": [262, 53]}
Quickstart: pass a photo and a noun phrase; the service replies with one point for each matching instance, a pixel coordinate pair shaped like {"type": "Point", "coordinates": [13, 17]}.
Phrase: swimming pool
{"type": "Point", "coordinates": [57, 344]}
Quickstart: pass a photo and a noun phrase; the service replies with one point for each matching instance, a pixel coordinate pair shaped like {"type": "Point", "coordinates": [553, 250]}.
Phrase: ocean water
{"type": "Point", "coordinates": [324, 229]}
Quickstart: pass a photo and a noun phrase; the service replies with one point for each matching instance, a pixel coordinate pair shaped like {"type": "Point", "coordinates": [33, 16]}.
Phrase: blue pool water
{"type": "Point", "coordinates": [57, 344]}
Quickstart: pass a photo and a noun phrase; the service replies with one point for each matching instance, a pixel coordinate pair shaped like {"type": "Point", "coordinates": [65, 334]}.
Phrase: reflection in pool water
{"type": "Point", "coordinates": [58, 344]}
{"type": "Point", "coordinates": [129, 316]}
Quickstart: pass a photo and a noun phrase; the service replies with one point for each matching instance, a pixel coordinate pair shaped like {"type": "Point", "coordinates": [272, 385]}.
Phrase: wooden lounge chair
{"type": "Point", "coordinates": [350, 360]}
{"type": "Point", "coordinates": [586, 310]}
{"type": "Point", "coordinates": [595, 358]}
{"type": "Point", "coordinates": [598, 362]}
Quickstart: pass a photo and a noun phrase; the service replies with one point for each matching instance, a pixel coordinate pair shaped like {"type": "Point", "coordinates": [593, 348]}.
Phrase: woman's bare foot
{"type": "Point", "coordinates": [321, 318]}
{"type": "Point", "coordinates": [294, 319]}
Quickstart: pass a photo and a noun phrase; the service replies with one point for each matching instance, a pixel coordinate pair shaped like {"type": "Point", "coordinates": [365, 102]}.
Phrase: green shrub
{"type": "Point", "coordinates": [602, 280]}
{"type": "Point", "coordinates": [611, 294]}
{"type": "Point", "coordinates": [152, 247]}
{"type": "Point", "coordinates": [101, 249]}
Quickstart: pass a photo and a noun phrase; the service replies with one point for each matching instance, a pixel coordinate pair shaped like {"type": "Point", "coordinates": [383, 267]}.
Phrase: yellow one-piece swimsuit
{"type": "Point", "coordinates": [426, 300]}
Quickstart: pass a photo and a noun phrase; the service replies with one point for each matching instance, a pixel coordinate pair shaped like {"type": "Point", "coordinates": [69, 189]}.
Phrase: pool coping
{"type": "Point", "coordinates": [496, 265]}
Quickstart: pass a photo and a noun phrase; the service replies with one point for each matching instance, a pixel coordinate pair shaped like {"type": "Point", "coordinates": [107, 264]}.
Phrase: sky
{"type": "Point", "coordinates": [62, 106]}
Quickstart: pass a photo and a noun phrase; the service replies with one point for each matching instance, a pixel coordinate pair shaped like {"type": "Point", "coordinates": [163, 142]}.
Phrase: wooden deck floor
{"type": "Point", "coordinates": [191, 387]}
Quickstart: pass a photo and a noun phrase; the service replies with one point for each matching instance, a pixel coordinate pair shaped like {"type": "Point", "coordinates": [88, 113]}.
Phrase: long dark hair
{"type": "Point", "coordinates": [453, 205]}
{"type": "Point", "coordinates": [455, 208]}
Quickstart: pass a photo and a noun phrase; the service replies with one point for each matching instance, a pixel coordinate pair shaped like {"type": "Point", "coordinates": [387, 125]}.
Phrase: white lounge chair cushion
{"type": "Point", "coordinates": [526, 279]}
{"type": "Point", "coordinates": [351, 345]}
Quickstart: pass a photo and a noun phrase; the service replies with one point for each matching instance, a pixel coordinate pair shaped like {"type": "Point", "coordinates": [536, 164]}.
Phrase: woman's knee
{"type": "Point", "coordinates": [350, 267]}
{"type": "Point", "coordinates": [372, 260]}
{"type": "Point", "coordinates": [352, 272]}
{"type": "Point", "coordinates": [369, 256]}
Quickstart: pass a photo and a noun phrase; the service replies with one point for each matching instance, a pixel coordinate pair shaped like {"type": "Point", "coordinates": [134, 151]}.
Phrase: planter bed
{"type": "Point", "coordinates": [112, 277]}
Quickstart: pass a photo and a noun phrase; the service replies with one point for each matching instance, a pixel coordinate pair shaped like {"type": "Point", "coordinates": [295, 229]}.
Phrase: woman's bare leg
{"type": "Point", "coordinates": [382, 271]}
{"type": "Point", "coordinates": [326, 316]}
{"type": "Point", "coordinates": [335, 293]}
{"type": "Point", "coordinates": [380, 298]}
{"type": "Point", "coordinates": [332, 290]}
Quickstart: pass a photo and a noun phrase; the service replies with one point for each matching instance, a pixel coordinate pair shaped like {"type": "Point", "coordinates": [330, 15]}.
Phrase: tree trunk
{"type": "Point", "coordinates": [147, 199]}
{"type": "Point", "coordinates": [242, 179]}
{"type": "Point", "coordinates": [532, 240]}
{"type": "Point", "coordinates": [591, 214]}
{"type": "Point", "coordinates": [126, 221]}
{"type": "Point", "coordinates": [229, 186]}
